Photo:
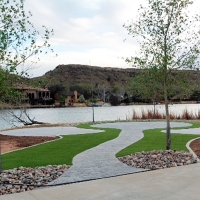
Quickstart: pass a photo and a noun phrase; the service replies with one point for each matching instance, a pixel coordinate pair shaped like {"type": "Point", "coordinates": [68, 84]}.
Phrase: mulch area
{"type": "Point", "coordinates": [195, 146]}
{"type": "Point", "coordinates": [10, 143]}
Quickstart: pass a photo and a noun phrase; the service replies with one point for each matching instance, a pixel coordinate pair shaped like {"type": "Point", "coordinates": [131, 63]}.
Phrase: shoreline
{"type": "Point", "coordinates": [85, 105]}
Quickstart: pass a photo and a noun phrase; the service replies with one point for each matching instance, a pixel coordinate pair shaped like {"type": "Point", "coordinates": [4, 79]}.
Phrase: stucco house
{"type": "Point", "coordinates": [34, 95]}
{"type": "Point", "coordinates": [71, 98]}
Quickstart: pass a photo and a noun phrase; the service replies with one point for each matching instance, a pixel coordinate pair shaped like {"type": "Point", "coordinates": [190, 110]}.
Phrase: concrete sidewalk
{"type": "Point", "coordinates": [177, 183]}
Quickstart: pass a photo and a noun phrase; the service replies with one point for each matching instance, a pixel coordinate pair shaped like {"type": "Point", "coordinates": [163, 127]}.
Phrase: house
{"type": "Point", "coordinates": [34, 95]}
{"type": "Point", "coordinates": [71, 98]}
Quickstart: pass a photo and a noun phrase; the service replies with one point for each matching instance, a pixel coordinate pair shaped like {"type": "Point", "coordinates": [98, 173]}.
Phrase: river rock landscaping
{"type": "Point", "coordinates": [24, 179]}
{"type": "Point", "coordinates": [159, 159]}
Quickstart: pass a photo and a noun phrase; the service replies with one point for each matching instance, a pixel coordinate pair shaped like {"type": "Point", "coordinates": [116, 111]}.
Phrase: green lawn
{"type": "Point", "coordinates": [154, 139]}
{"type": "Point", "coordinates": [62, 151]}
{"type": "Point", "coordinates": [57, 152]}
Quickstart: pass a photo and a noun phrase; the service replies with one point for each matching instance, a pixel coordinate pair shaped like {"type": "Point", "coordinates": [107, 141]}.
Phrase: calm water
{"type": "Point", "coordinates": [85, 114]}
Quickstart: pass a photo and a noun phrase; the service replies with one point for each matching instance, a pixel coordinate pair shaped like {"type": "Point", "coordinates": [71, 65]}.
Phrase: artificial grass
{"type": "Point", "coordinates": [58, 152]}
{"type": "Point", "coordinates": [154, 139]}
{"type": "Point", "coordinates": [62, 151]}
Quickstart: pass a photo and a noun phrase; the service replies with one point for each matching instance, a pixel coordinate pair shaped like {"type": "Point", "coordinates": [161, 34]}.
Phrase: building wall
{"type": "Point", "coordinates": [75, 97]}
{"type": "Point", "coordinates": [71, 99]}
{"type": "Point", "coordinates": [34, 94]}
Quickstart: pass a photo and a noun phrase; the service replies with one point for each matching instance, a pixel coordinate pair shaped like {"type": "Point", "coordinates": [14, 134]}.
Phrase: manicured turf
{"type": "Point", "coordinates": [63, 151]}
{"type": "Point", "coordinates": [154, 139]}
{"type": "Point", "coordinates": [58, 152]}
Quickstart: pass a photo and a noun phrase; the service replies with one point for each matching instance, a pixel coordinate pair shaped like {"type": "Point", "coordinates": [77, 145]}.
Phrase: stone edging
{"type": "Point", "coordinates": [191, 151]}
{"type": "Point", "coordinates": [60, 137]}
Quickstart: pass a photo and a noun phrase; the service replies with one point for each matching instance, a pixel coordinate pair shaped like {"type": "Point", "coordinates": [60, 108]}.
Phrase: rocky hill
{"type": "Point", "coordinates": [69, 75]}
{"type": "Point", "coordinates": [85, 79]}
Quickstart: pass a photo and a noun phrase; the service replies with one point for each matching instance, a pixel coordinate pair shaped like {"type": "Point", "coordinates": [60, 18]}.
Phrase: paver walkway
{"type": "Point", "coordinates": [100, 161]}
{"type": "Point", "coordinates": [49, 131]}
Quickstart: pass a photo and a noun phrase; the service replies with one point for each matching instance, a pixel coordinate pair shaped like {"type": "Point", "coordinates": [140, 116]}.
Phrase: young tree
{"type": "Point", "coordinates": [101, 90]}
{"type": "Point", "coordinates": [20, 47]}
{"type": "Point", "coordinates": [144, 87]}
{"type": "Point", "coordinates": [169, 41]}
{"type": "Point", "coordinates": [19, 42]}
{"type": "Point", "coordinates": [81, 99]}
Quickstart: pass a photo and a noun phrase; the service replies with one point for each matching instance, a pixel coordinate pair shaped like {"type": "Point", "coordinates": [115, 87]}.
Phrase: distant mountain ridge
{"type": "Point", "coordinates": [73, 74]}
{"type": "Point", "coordinates": [85, 78]}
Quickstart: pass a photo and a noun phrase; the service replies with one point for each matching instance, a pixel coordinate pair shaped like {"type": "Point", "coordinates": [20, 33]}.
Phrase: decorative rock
{"type": "Point", "coordinates": [4, 179]}
{"type": "Point", "coordinates": [154, 156]}
{"type": "Point", "coordinates": [17, 187]}
{"type": "Point", "coordinates": [13, 190]}
{"type": "Point", "coordinates": [188, 162]}
{"type": "Point", "coordinates": [23, 179]}
{"type": "Point", "coordinates": [158, 159]}
{"type": "Point", "coordinates": [22, 190]}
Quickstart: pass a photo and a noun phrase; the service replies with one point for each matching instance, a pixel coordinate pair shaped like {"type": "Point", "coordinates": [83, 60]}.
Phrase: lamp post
{"type": "Point", "coordinates": [93, 113]}
{"type": "Point", "coordinates": [92, 94]}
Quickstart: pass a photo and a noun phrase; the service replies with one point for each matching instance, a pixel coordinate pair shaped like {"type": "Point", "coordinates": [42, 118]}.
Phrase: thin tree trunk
{"type": "Point", "coordinates": [1, 169]}
{"type": "Point", "coordinates": [168, 135]}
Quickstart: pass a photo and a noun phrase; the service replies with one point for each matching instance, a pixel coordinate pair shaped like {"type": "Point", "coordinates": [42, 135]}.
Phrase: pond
{"type": "Point", "coordinates": [85, 114]}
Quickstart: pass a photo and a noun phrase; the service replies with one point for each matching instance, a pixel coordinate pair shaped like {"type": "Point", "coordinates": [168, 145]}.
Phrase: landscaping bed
{"type": "Point", "coordinates": [195, 146]}
{"type": "Point", "coordinates": [158, 159]}
{"type": "Point", "coordinates": [11, 143]}
{"type": "Point", "coordinates": [23, 179]}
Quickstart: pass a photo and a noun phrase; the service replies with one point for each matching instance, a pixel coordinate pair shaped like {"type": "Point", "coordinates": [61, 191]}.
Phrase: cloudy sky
{"type": "Point", "coordinates": [86, 32]}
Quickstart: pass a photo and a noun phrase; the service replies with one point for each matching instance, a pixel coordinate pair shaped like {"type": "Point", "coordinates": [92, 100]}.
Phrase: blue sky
{"type": "Point", "coordinates": [85, 31]}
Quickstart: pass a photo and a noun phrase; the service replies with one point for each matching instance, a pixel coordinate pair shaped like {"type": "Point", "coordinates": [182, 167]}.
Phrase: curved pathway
{"type": "Point", "coordinates": [100, 161]}
{"type": "Point", "coordinates": [49, 131]}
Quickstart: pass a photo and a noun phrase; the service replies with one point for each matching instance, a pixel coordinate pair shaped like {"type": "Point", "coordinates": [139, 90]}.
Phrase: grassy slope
{"type": "Point", "coordinates": [154, 139]}
{"type": "Point", "coordinates": [58, 152]}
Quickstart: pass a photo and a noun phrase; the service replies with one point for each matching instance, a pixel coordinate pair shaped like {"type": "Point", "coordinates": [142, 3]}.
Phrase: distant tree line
{"type": "Point", "coordinates": [135, 93]}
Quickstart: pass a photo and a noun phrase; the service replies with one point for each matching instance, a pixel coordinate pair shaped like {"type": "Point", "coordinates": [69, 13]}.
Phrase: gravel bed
{"type": "Point", "coordinates": [158, 159]}
{"type": "Point", "coordinates": [24, 179]}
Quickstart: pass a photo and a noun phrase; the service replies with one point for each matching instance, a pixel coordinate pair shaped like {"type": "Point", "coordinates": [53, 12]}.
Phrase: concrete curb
{"type": "Point", "coordinates": [191, 151]}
